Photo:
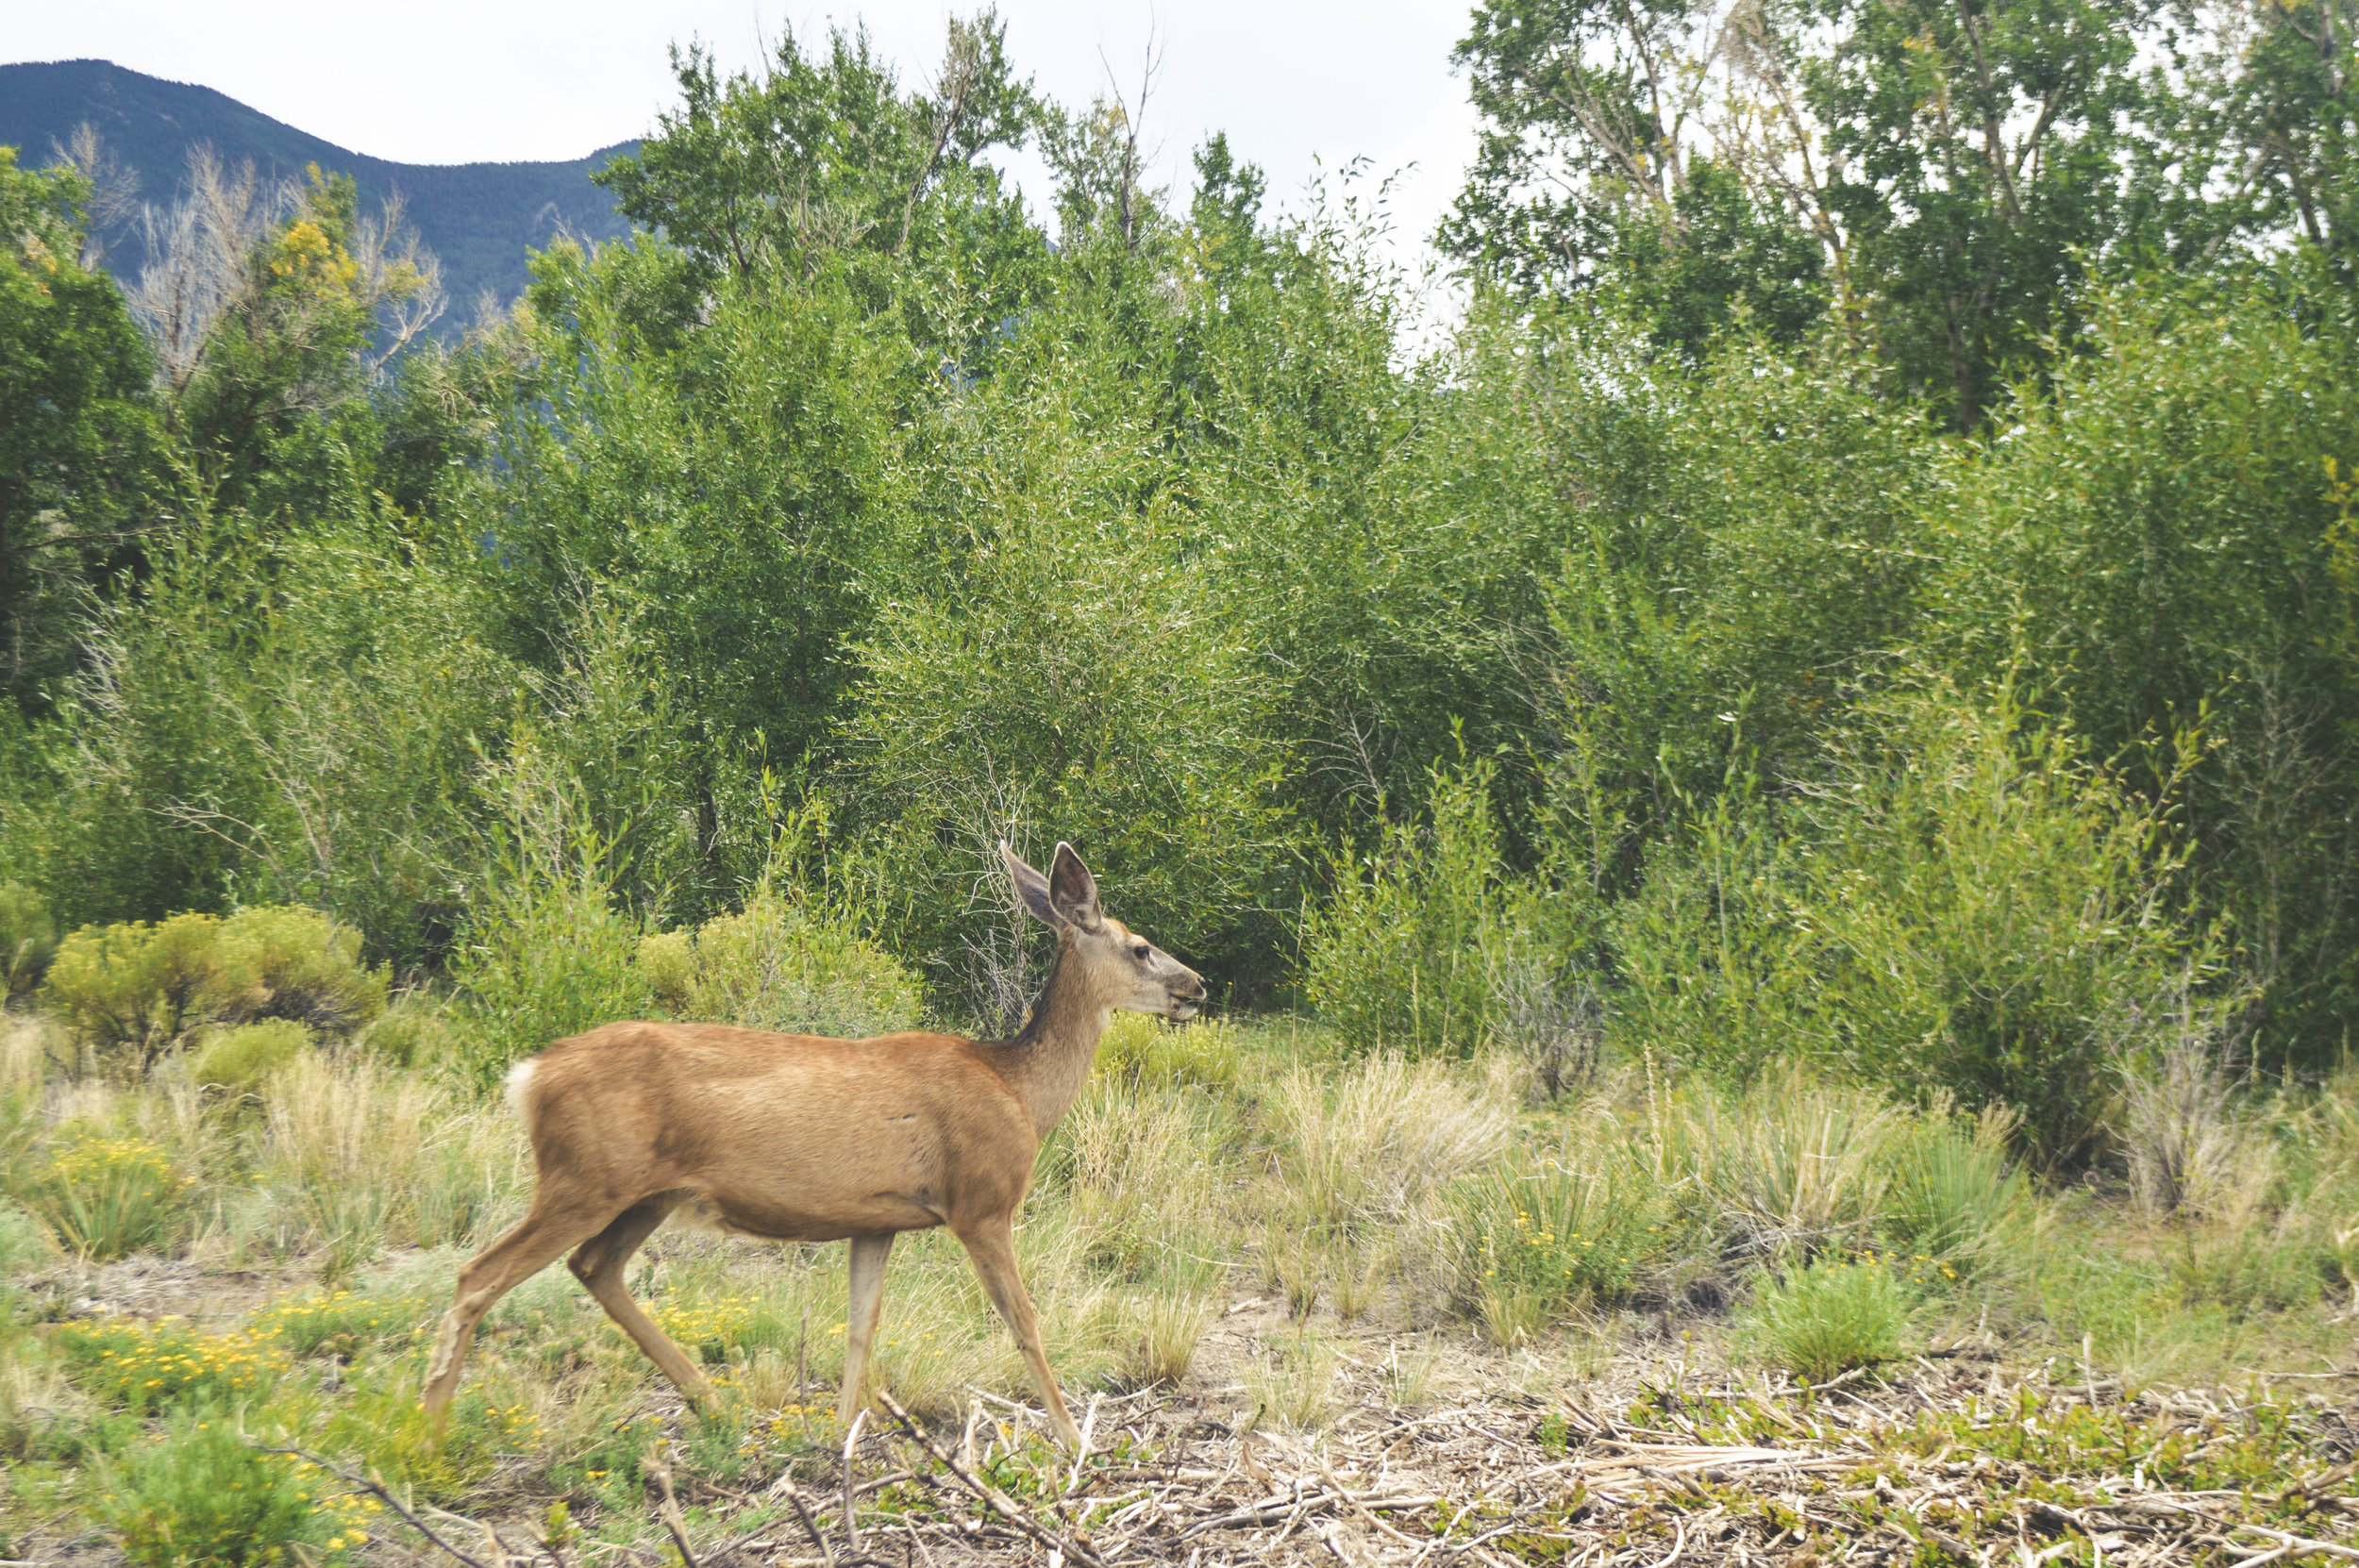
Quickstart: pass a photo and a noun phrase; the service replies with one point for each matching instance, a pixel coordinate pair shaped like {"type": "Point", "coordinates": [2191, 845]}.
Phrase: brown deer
{"type": "Point", "coordinates": [803, 1139]}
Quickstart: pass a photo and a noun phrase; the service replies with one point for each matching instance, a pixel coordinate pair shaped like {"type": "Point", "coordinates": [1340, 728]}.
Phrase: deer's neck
{"type": "Point", "coordinates": [1049, 1064]}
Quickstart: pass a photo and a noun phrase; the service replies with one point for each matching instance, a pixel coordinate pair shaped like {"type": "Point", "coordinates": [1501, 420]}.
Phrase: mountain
{"type": "Point", "coordinates": [478, 218]}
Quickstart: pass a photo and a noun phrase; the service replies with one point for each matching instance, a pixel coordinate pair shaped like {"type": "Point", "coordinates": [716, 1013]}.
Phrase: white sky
{"type": "Point", "coordinates": [1293, 82]}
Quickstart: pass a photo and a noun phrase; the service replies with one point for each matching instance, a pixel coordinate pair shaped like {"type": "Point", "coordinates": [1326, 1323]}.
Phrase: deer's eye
{"type": "Point", "coordinates": [1139, 952]}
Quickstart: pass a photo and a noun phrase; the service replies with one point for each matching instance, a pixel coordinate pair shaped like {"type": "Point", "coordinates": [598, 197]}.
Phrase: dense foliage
{"type": "Point", "coordinates": [1870, 578]}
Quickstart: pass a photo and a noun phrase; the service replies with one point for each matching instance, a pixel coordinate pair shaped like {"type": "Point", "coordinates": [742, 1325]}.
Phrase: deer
{"type": "Point", "coordinates": [803, 1138]}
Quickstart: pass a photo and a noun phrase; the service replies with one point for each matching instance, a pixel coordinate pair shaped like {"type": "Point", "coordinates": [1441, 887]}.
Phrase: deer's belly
{"type": "Point", "coordinates": [744, 1214]}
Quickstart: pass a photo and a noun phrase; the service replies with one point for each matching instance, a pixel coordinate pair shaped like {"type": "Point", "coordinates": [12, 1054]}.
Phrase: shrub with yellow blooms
{"type": "Point", "coordinates": [205, 1494]}
{"type": "Point", "coordinates": [108, 1197]}
{"type": "Point", "coordinates": [146, 1366]}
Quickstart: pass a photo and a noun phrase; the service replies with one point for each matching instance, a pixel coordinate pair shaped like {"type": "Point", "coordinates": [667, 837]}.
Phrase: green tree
{"type": "Point", "coordinates": [80, 459]}
{"type": "Point", "coordinates": [1954, 166]}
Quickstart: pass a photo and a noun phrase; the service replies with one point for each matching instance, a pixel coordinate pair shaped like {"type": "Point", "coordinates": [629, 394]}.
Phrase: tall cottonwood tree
{"type": "Point", "coordinates": [1950, 168]}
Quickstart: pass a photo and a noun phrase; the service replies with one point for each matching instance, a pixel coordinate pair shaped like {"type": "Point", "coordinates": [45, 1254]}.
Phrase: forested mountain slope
{"type": "Point", "coordinates": [479, 219]}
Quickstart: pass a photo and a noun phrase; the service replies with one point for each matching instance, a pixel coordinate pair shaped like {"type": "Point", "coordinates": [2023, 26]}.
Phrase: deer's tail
{"type": "Point", "coordinates": [520, 1090]}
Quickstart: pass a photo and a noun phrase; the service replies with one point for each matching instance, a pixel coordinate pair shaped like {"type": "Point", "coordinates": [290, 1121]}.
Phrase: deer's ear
{"type": "Point", "coordinates": [1073, 889]}
{"type": "Point", "coordinates": [1032, 887]}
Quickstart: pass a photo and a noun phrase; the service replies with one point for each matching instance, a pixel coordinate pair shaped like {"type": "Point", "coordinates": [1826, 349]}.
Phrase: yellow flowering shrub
{"type": "Point", "coordinates": [108, 1197]}
{"type": "Point", "coordinates": [340, 1324]}
{"type": "Point", "coordinates": [203, 1494]}
{"type": "Point", "coordinates": [709, 1329]}
{"type": "Point", "coordinates": [146, 1365]}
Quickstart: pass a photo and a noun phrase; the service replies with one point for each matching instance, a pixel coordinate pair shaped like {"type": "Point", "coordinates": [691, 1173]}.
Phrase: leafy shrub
{"type": "Point", "coordinates": [1827, 1317]}
{"type": "Point", "coordinates": [1535, 1243]}
{"type": "Point", "coordinates": [541, 962]}
{"type": "Point", "coordinates": [1140, 1050]}
{"type": "Point", "coordinates": [414, 1031]}
{"type": "Point", "coordinates": [139, 988]}
{"type": "Point", "coordinates": [239, 1058]}
{"type": "Point", "coordinates": [200, 1496]}
{"type": "Point", "coordinates": [1410, 952]}
{"type": "Point", "coordinates": [145, 1366]}
{"type": "Point", "coordinates": [779, 965]}
{"type": "Point", "coordinates": [108, 1197]}
{"type": "Point", "coordinates": [29, 939]}
{"type": "Point", "coordinates": [1983, 909]}
{"type": "Point", "coordinates": [287, 961]}
{"type": "Point", "coordinates": [134, 987]}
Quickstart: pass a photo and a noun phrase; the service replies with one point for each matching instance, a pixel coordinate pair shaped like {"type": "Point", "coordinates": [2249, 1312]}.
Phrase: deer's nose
{"type": "Point", "coordinates": [1193, 986]}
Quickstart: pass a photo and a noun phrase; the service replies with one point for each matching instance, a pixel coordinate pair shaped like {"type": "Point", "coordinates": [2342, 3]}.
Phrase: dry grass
{"type": "Point", "coordinates": [1190, 1171]}
{"type": "Point", "coordinates": [1367, 1148]}
{"type": "Point", "coordinates": [2189, 1147]}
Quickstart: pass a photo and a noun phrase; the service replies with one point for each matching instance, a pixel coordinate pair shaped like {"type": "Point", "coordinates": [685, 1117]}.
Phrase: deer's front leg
{"type": "Point", "coordinates": [991, 1246]}
{"type": "Point", "coordinates": [861, 1308]}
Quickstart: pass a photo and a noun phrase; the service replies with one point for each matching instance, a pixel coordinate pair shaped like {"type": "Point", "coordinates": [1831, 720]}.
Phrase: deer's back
{"type": "Point", "coordinates": [799, 1137]}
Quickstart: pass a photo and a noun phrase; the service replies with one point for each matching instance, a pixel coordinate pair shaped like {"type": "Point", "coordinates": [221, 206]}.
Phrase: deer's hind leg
{"type": "Point", "coordinates": [538, 1239]}
{"type": "Point", "coordinates": [598, 1263]}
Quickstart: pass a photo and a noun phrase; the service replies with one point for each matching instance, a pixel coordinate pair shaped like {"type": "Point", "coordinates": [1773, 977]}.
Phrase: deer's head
{"type": "Point", "coordinates": [1129, 973]}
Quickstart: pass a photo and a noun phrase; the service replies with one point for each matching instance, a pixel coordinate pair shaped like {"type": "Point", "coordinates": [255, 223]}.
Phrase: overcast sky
{"type": "Point", "coordinates": [1294, 83]}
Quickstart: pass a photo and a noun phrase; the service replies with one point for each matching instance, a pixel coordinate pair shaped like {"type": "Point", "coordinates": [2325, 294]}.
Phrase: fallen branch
{"type": "Point", "coordinates": [377, 1488]}
{"type": "Point", "coordinates": [999, 1502]}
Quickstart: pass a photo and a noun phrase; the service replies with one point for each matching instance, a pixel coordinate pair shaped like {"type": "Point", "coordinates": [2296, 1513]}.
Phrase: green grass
{"type": "Point", "coordinates": [1828, 1317]}
{"type": "Point", "coordinates": [1372, 1205]}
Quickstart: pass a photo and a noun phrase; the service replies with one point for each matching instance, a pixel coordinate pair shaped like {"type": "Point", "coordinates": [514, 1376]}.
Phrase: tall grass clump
{"type": "Point", "coordinates": [1535, 1242]}
{"type": "Point", "coordinates": [108, 1197]}
{"type": "Point", "coordinates": [2189, 1146]}
{"type": "Point", "coordinates": [1367, 1147]}
{"type": "Point", "coordinates": [1791, 1163]}
{"type": "Point", "coordinates": [1955, 1195]}
{"type": "Point", "coordinates": [1828, 1317]}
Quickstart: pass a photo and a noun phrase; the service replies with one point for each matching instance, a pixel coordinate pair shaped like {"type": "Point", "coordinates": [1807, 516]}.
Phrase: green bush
{"type": "Point", "coordinates": [286, 961]}
{"type": "Point", "coordinates": [414, 1030]}
{"type": "Point", "coordinates": [1972, 904]}
{"type": "Point", "coordinates": [1537, 1242]}
{"type": "Point", "coordinates": [108, 1197]}
{"type": "Point", "coordinates": [29, 939]}
{"type": "Point", "coordinates": [137, 989]}
{"type": "Point", "coordinates": [779, 965]}
{"type": "Point", "coordinates": [1143, 1050]}
{"type": "Point", "coordinates": [1409, 952]}
{"type": "Point", "coordinates": [540, 964]}
{"type": "Point", "coordinates": [241, 1058]}
{"type": "Point", "coordinates": [201, 1495]}
{"type": "Point", "coordinates": [1827, 1317]}
{"type": "Point", "coordinates": [134, 988]}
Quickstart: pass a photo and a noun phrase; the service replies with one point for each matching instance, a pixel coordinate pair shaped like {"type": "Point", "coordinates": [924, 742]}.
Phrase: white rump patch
{"type": "Point", "coordinates": [519, 1082]}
